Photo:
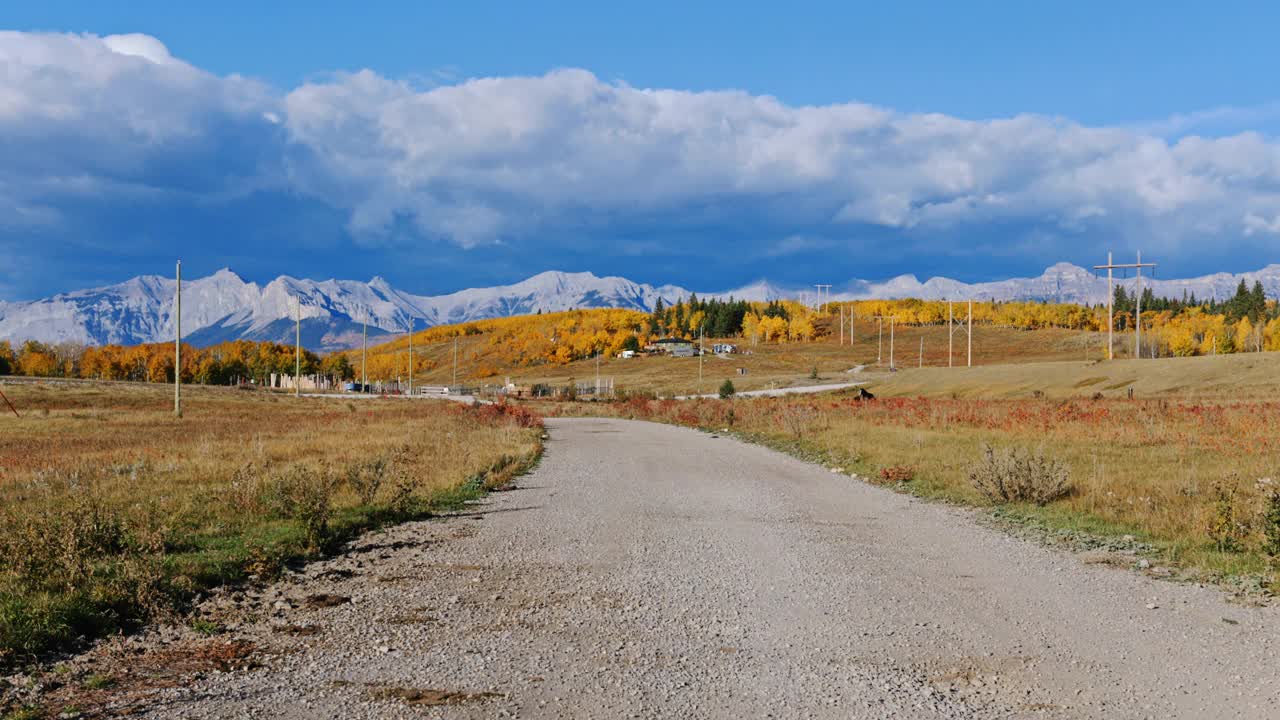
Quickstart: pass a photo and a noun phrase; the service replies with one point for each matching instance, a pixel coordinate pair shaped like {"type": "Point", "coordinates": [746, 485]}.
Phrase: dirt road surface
{"type": "Point", "coordinates": [651, 571]}
{"type": "Point", "coordinates": [779, 392]}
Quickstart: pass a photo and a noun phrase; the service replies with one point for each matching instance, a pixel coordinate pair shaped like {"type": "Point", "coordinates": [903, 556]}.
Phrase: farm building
{"type": "Point", "coordinates": [673, 345]}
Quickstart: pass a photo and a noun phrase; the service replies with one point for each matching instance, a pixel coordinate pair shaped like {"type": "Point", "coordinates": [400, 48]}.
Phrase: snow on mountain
{"type": "Point", "coordinates": [1062, 282]}
{"type": "Point", "coordinates": [225, 307]}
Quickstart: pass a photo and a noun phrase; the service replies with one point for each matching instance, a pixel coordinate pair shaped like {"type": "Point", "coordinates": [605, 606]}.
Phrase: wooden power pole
{"type": "Point", "coordinates": [297, 347]}
{"type": "Point", "coordinates": [1111, 301]}
{"type": "Point", "coordinates": [364, 357]}
{"type": "Point", "coordinates": [970, 333]}
{"type": "Point", "coordinates": [411, 356]}
{"type": "Point", "coordinates": [177, 345]}
{"type": "Point", "coordinates": [892, 321]}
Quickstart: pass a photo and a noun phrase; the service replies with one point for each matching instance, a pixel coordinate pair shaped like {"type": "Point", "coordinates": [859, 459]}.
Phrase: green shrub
{"type": "Point", "coordinates": [364, 478]}
{"type": "Point", "coordinates": [1270, 519]}
{"type": "Point", "coordinates": [1226, 527]}
{"type": "Point", "coordinates": [726, 389]}
{"type": "Point", "coordinates": [303, 494]}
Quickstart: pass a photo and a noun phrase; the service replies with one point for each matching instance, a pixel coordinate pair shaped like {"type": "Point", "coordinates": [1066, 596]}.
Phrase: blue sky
{"type": "Point", "coordinates": [443, 145]}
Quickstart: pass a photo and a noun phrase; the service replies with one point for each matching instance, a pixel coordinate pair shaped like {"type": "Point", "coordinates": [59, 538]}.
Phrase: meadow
{"type": "Point", "coordinates": [113, 512]}
{"type": "Point", "coordinates": [1189, 477]}
{"type": "Point", "coordinates": [766, 365]}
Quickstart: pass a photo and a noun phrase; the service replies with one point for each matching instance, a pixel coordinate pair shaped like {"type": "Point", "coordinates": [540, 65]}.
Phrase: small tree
{"type": "Point", "coordinates": [727, 389]}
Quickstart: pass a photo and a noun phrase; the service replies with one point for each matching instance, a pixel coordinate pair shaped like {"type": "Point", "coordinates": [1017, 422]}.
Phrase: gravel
{"type": "Point", "coordinates": [645, 570]}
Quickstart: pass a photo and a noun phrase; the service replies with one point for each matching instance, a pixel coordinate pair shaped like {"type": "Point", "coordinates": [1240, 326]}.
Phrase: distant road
{"type": "Point", "coordinates": [375, 396]}
{"type": "Point", "coordinates": [779, 392]}
{"type": "Point", "coordinates": [646, 570]}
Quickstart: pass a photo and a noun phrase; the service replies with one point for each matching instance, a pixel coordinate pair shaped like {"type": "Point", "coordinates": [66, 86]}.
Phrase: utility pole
{"type": "Point", "coordinates": [297, 348]}
{"type": "Point", "coordinates": [892, 321]}
{"type": "Point", "coordinates": [177, 346]}
{"type": "Point", "coordinates": [700, 336]}
{"type": "Point", "coordinates": [921, 364]}
{"type": "Point", "coordinates": [364, 358]}
{"type": "Point", "coordinates": [951, 332]}
{"type": "Point", "coordinates": [1111, 301]}
{"type": "Point", "coordinates": [455, 360]}
{"type": "Point", "coordinates": [880, 346]}
{"type": "Point", "coordinates": [1137, 327]}
{"type": "Point", "coordinates": [597, 373]}
{"type": "Point", "coordinates": [841, 326]}
{"type": "Point", "coordinates": [821, 290]}
{"type": "Point", "coordinates": [411, 356]}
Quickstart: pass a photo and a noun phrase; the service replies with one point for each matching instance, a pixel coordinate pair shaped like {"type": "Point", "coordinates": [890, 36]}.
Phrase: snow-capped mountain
{"type": "Point", "coordinates": [1063, 282]}
{"type": "Point", "coordinates": [225, 307]}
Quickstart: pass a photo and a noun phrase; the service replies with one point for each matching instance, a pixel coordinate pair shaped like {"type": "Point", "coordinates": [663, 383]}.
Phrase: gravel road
{"type": "Point", "coordinates": [651, 571]}
{"type": "Point", "coordinates": [779, 392]}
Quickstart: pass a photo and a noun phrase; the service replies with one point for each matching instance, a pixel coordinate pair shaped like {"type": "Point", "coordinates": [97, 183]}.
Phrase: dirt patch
{"type": "Point", "coordinates": [120, 679]}
{"type": "Point", "coordinates": [417, 616]}
{"type": "Point", "coordinates": [431, 698]}
{"type": "Point", "coordinates": [326, 600]}
{"type": "Point", "coordinates": [297, 630]}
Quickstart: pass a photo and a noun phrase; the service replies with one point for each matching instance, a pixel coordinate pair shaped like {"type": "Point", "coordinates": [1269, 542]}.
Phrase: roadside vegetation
{"type": "Point", "coordinates": [112, 512]}
{"type": "Point", "coordinates": [1188, 477]}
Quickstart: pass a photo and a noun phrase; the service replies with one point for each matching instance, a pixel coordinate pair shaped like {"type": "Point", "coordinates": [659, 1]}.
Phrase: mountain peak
{"type": "Point", "coordinates": [140, 309]}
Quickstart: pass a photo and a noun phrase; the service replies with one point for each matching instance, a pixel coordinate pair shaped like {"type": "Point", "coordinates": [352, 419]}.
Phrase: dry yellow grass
{"type": "Point", "coordinates": [112, 509]}
{"type": "Point", "coordinates": [1245, 376]}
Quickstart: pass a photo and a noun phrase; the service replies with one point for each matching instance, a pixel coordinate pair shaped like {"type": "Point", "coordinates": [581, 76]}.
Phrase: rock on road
{"type": "Point", "coordinates": [650, 571]}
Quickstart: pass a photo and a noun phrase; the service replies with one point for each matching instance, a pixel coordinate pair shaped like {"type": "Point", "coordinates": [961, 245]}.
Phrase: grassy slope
{"type": "Point", "coordinates": [1244, 376]}
{"type": "Point", "coordinates": [774, 365]}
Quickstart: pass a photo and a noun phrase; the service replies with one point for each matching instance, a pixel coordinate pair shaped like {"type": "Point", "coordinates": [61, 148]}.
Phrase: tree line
{"type": "Point", "coordinates": [223, 364]}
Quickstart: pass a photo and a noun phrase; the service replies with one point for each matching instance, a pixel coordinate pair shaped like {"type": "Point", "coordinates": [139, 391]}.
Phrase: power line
{"type": "Point", "coordinates": [1111, 301]}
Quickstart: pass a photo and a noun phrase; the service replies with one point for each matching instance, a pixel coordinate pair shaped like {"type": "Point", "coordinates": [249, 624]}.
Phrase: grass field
{"type": "Point", "coordinates": [1245, 376]}
{"type": "Point", "coordinates": [112, 511]}
{"type": "Point", "coordinates": [767, 365]}
{"type": "Point", "coordinates": [1180, 471]}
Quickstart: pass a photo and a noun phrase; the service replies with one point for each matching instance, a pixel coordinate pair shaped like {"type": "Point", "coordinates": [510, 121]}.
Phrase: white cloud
{"type": "Point", "coordinates": [504, 159]}
{"type": "Point", "coordinates": [137, 45]}
{"type": "Point", "coordinates": [496, 157]}
{"type": "Point", "coordinates": [1258, 225]}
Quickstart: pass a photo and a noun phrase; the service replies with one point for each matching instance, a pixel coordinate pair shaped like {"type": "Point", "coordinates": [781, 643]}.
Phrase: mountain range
{"type": "Point", "coordinates": [223, 306]}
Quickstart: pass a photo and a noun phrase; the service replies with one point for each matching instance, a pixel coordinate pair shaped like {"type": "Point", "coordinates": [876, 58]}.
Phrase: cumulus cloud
{"type": "Point", "coordinates": [497, 158]}
{"type": "Point", "coordinates": [569, 158]}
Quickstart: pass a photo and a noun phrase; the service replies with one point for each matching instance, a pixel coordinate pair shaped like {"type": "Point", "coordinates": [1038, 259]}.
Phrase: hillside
{"type": "Point", "coordinates": [557, 348]}
{"type": "Point", "coordinates": [494, 351]}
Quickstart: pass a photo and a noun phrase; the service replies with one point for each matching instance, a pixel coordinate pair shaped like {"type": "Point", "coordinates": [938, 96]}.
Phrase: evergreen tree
{"type": "Point", "coordinates": [1238, 306]}
{"type": "Point", "coordinates": [1257, 302]}
{"type": "Point", "coordinates": [1123, 305]}
{"type": "Point", "coordinates": [656, 319]}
